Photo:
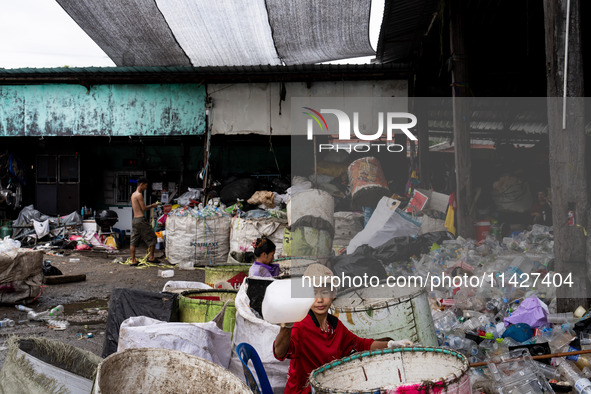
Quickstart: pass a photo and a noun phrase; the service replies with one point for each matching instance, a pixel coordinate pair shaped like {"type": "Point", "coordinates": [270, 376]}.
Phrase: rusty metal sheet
{"type": "Point", "coordinates": [102, 110]}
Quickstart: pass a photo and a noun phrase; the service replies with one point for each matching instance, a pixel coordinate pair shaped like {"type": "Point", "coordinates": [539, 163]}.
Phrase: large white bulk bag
{"type": "Point", "coordinates": [260, 335]}
{"type": "Point", "coordinates": [204, 340]}
{"type": "Point", "coordinates": [194, 241]}
{"type": "Point", "coordinates": [244, 231]}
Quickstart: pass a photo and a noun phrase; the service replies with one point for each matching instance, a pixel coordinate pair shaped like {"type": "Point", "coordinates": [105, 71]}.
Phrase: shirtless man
{"type": "Point", "coordinates": [140, 228]}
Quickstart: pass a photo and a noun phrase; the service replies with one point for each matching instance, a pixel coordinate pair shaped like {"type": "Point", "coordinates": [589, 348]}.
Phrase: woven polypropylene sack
{"type": "Point", "coordinates": [197, 241]}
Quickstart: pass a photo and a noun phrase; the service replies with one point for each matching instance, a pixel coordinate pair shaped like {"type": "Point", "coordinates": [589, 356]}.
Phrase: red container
{"type": "Point", "coordinates": [481, 230]}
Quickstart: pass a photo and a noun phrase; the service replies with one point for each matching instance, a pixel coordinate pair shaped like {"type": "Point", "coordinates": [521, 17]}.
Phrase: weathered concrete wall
{"type": "Point", "coordinates": [115, 110]}
{"type": "Point", "coordinates": [254, 107]}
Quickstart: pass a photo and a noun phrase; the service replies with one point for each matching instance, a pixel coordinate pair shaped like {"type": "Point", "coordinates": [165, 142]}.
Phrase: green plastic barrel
{"type": "Point", "coordinates": [200, 306]}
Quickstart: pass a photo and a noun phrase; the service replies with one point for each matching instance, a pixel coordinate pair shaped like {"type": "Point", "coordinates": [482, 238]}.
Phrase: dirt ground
{"type": "Point", "coordinates": [85, 303]}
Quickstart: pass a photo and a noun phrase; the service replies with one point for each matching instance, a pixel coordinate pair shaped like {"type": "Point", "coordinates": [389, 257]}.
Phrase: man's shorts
{"type": "Point", "coordinates": [141, 230]}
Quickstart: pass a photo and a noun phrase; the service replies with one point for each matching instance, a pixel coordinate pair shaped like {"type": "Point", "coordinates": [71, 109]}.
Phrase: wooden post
{"type": "Point", "coordinates": [568, 175]}
{"type": "Point", "coordinates": [423, 143]}
{"type": "Point", "coordinates": [459, 76]}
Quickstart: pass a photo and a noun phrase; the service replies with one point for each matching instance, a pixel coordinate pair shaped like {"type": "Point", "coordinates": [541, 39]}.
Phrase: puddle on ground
{"type": "Point", "coordinates": [87, 312]}
{"type": "Point", "coordinates": [86, 306]}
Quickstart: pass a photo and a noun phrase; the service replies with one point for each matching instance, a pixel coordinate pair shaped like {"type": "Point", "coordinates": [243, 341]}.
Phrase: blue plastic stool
{"type": "Point", "coordinates": [247, 352]}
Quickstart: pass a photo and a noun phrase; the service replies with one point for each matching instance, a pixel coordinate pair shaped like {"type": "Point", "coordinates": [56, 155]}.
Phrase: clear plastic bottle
{"type": "Point", "coordinates": [585, 338]}
{"type": "Point", "coordinates": [510, 342]}
{"type": "Point", "coordinates": [38, 315]}
{"type": "Point", "coordinates": [581, 360]}
{"type": "Point", "coordinates": [23, 308]}
{"type": "Point", "coordinates": [488, 346]}
{"type": "Point", "coordinates": [464, 344]}
{"type": "Point", "coordinates": [6, 323]}
{"type": "Point", "coordinates": [445, 321]}
{"type": "Point", "coordinates": [475, 323]}
{"type": "Point", "coordinates": [549, 371]}
{"type": "Point", "coordinates": [559, 317]}
{"type": "Point", "coordinates": [570, 371]}
{"type": "Point", "coordinates": [58, 310]}
{"type": "Point", "coordinates": [559, 340]}
{"type": "Point", "coordinates": [495, 305]}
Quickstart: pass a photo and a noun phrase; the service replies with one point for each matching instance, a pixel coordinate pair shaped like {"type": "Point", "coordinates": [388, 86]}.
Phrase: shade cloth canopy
{"type": "Point", "coordinates": [224, 32]}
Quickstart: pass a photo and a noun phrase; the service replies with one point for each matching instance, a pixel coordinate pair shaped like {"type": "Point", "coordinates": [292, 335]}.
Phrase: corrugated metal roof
{"type": "Point", "coordinates": [236, 74]}
{"type": "Point", "coordinates": [404, 24]}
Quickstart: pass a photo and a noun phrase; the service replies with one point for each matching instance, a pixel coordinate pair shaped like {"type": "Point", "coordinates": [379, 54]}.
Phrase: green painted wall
{"type": "Point", "coordinates": [115, 110]}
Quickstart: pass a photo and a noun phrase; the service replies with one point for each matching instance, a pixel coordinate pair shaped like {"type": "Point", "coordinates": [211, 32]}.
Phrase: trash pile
{"type": "Point", "coordinates": [204, 233]}
{"type": "Point", "coordinates": [490, 300]}
{"type": "Point", "coordinates": [38, 231]}
{"type": "Point", "coordinates": [212, 209]}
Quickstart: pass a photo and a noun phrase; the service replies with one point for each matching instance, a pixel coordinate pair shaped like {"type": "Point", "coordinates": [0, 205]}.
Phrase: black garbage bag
{"type": "Point", "coordinates": [240, 189]}
{"type": "Point", "coordinates": [50, 270]}
{"type": "Point", "coordinates": [583, 326]}
{"type": "Point", "coordinates": [280, 185]}
{"type": "Point", "coordinates": [257, 287]}
{"type": "Point", "coordinates": [358, 264]}
{"type": "Point", "coordinates": [536, 349]}
{"type": "Point", "coordinates": [127, 303]}
{"type": "Point", "coordinates": [403, 248]}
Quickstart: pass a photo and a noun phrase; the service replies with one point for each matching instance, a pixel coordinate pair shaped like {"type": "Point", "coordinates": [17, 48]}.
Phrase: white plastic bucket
{"type": "Point", "coordinates": [404, 315]}
{"type": "Point", "coordinates": [395, 371]}
{"type": "Point", "coordinates": [89, 225]}
{"type": "Point", "coordinates": [260, 335]}
{"type": "Point", "coordinates": [151, 370]}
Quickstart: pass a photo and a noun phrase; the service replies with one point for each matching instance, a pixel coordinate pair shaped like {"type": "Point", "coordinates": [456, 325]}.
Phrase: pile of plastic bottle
{"type": "Point", "coordinates": [485, 321]}
{"type": "Point", "coordinates": [213, 209]}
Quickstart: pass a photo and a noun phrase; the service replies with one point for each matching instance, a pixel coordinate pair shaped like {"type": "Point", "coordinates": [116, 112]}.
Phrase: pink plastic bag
{"type": "Point", "coordinates": [82, 246]}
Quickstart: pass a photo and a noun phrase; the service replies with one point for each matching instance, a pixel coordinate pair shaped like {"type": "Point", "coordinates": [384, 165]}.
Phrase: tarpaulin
{"type": "Point", "coordinates": [385, 223]}
{"type": "Point", "coordinates": [311, 31]}
{"type": "Point", "coordinates": [126, 303]}
{"type": "Point", "coordinates": [224, 32]}
{"type": "Point", "coordinates": [131, 32]}
{"type": "Point", "coordinates": [28, 215]}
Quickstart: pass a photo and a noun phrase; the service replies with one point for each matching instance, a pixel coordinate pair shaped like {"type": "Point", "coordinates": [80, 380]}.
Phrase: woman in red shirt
{"type": "Point", "coordinates": [316, 340]}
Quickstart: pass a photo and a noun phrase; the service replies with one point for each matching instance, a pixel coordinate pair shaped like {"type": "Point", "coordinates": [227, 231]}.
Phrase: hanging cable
{"type": "Point", "coordinates": [565, 65]}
